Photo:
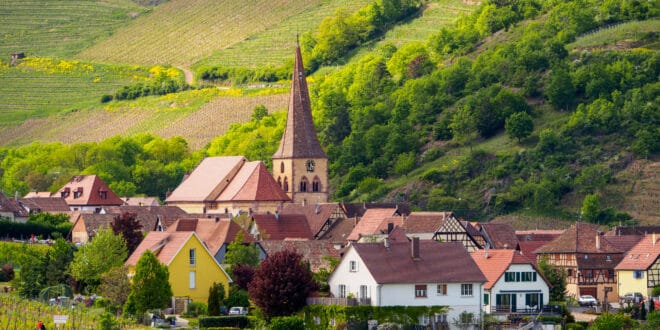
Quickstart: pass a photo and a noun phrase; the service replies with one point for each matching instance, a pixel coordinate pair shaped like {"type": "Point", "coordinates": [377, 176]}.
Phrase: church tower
{"type": "Point", "coordinates": [300, 165]}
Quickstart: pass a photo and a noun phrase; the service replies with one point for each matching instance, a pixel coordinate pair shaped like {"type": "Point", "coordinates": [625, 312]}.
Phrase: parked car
{"type": "Point", "coordinates": [632, 297]}
{"type": "Point", "coordinates": [587, 300]}
{"type": "Point", "coordinates": [238, 311]}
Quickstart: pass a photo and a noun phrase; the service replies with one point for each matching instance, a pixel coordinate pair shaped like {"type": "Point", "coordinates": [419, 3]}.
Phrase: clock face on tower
{"type": "Point", "coordinates": [310, 165]}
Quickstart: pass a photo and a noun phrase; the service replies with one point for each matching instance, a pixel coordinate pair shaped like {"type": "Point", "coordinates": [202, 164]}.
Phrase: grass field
{"type": "Point", "coordinates": [275, 44]}
{"type": "Point", "coordinates": [182, 32]}
{"type": "Point", "coordinates": [38, 87]}
{"type": "Point", "coordinates": [60, 28]}
{"type": "Point", "coordinates": [620, 35]}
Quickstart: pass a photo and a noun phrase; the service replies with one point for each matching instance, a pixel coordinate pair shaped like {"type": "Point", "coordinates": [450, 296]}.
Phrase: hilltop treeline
{"type": "Point", "coordinates": [430, 105]}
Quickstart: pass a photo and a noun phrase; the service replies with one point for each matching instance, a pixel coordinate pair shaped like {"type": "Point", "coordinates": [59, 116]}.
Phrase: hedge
{"type": "Point", "coordinates": [11, 229]}
{"type": "Point", "coordinates": [240, 321]}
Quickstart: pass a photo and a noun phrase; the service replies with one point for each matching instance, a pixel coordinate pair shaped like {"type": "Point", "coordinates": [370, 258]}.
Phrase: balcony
{"type": "Point", "coordinates": [533, 310]}
{"type": "Point", "coordinates": [338, 301]}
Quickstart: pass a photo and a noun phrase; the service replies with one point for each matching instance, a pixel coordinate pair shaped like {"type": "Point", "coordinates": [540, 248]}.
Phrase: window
{"type": "Point", "coordinates": [363, 292]}
{"type": "Point", "coordinates": [486, 299]}
{"type": "Point", "coordinates": [352, 265]}
{"type": "Point", "coordinates": [638, 274]}
{"type": "Point", "coordinates": [279, 181]}
{"type": "Point", "coordinates": [103, 194]}
{"type": "Point", "coordinates": [533, 300]}
{"type": "Point", "coordinates": [442, 289]}
{"type": "Point", "coordinates": [282, 167]}
{"type": "Point", "coordinates": [420, 291]}
{"type": "Point", "coordinates": [192, 280]}
{"type": "Point", "coordinates": [466, 290]}
{"type": "Point", "coordinates": [192, 257]}
{"type": "Point", "coordinates": [316, 185]}
{"type": "Point", "coordinates": [303, 184]}
{"type": "Point", "coordinates": [441, 318]}
{"type": "Point", "coordinates": [286, 184]}
{"type": "Point", "coordinates": [509, 277]}
{"type": "Point", "coordinates": [342, 291]}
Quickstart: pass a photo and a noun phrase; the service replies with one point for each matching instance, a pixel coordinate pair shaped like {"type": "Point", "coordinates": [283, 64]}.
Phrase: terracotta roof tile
{"type": "Point", "coordinates": [643, 255]}
{"type": "Point", "coordinates": [40, 194]}
{"type": "Point", "coordinates": [164, 245]}
{"type": "Point", "coordinates": [317, 215]}
{"type": "Point", "coordinates": [208, 179]}
{"type": "Point", "coordinates": [84, 190]}
{"type": "Point", "coordinates": [500, 235]}
{"type": "Point", "coordinates": [339, 230]}
{"type": "Point", "coordinates": [141, 201]}
{"type": "Point", "coordinates": [11, 205]}
{"type": "Point", "coordinates": [424, 222]}
{"type": "Point", "coordinates": [636, 230]}
{"type": "Point", "coordinates": [312, 251]}
{"type": "Point", "coordinates": [624, 242]}
{"type": "Point", "coordinates": [149, 215]}
{"type": "Point", "coordinates": [370, 222]}
{"type": "Point", "coordinates": [398, 235]}
{"type": "Point", "coordinates": [94, 221]}
{"type": "Point", "coordinates": [214, 233]}
{"type": "Point", "coordinates": [538, 235]}
{"type": "Point", "coordinates": [496, 261]}
{"type": "Point", "coordinates": [438, 262]}
{"type": "Point", "coordinates": [253, 182]}
{"type": "Point", "coordinates": [580, 238]}
{"type": "Point", "coordinates": [353, 210]}
{"type": "Point", "coordinates": [285, 226]}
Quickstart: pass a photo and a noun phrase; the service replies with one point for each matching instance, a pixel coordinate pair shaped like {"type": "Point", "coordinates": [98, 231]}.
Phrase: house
{"type": "Point", "coordinates": [373, 222]}
{"type": "Point", "coordinates": [320, 217]}
{"type": "Point", "coordinates": [87, 224]}
{"type": "Point", "coordinates": [11, 209]}
{"type": "Point", "coordinates": [157, 218]}
{"type": "Point", "coordinates": [416, 273]}
{"type": "Point", "coordinates": [514, 284]}
{"type": "Point", "coordinates": [88, 193]}
{"type": "Point", "coordinates": [217, 233]}
{"type": "Point", "coordinates": [639, 271]}
{"type": "Point", "coordinates": [316, 253]}
{"type": "Point", "coordinates": [230, 185]}
{"type": "Point", "coordinates": [141, 201]}
{"type": "Point", "coordinates": [531, 240]}
{"type": "Point", "coordinates": [191, 265]}
{"type": "Point", "coordinates": [588, 259]}
{"type": "Point", "coordinates": [499, 235]}
{"type": "Point", "coordinates": [54, 205]}
{"type": "Point", "coordinates": [424, 224]}
{"type": "Point", "coordinates": [453, 230]}
{"type": "Point", "coordinates": [275, 226]}
{"type": "Point", "coordinates": [353, 210]}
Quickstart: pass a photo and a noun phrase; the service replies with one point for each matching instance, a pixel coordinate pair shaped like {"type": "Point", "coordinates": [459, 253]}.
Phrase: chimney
{"type": "Point", "coordinates": [304, 202]}
{"type": "Point", "coordinates": [16, 196]}
{"type": "Point", "coordinates": [486, 250]}
{"type": "Point", "coordinates": [217, 219]}
{"type": "Point", "coordinates": [653, 238]}
{"type": "Point", "coordinates": [415, 248]}
{"type": "Point", "coordinates": [317, 209]}
{"type": "Point", "coordinates": [597, 241]}
{"type": "Point", "coordinates": [390, 227]}
{"type": "Point", "coordinates": [277, 215]}
{"type": "Point", "coordinates": [386, 241]}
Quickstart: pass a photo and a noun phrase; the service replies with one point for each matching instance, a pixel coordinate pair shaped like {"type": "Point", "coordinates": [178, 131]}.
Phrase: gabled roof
{"type": "Point", "coordinates": [42, 194]}
{"type": "Point", "coordinates": [208, 179]}
{"type": "Point", "coordinates": [94, 221]}
{"type": "Point", "coordinates": [299, 139]}
{"type": "Point", "coordinates": [437, 263]}
{"type": "Point", "coordinates": [528, 248]}
{"type": "Point", "coordinates": [633, 230]}
{"type": "Point", "coordinates": [642, 255]}
{"type": "Point", "coordinates": [500, 235]}
{"type": "Point", "coordinates": [10, 205]}
{"type": "Point", "coordinates": [538, 235]}
{"type": "Point", "coordinates": [141, 201]}
{"type": "Point", "coordinates": [398, 235]}
{"type": "Point", "coordinates": [579, 238]}
{"type": "Point", "coordinates": [148, 216]}
{"type": "Point", "coordinates": [88, 190]}
{"type": "Point", "coordinates": [316, 215]}
{"type": "Point", "coordinates": [494, 262]}
{"type": "Point", "coordinates": [357, 209]}
{"type": "Point", "coordinates": [213, 232]}
{"type": "Point", "coordinates": [282, 226]}
{"type": "Point", "coordinates": [339, 230]}
{"type": "Point", "coordinates": [313, 251]}
{"type": "Point", "coordinates": [253, 183]}
{"type": "Point", "coordinates": [624, 242]}
{"type": "Point", "coordinates": [424, 222]}
{"type": "Point", "coordinates": [371, 222]}
{"type": "Point", "coordinates": [45, 204]}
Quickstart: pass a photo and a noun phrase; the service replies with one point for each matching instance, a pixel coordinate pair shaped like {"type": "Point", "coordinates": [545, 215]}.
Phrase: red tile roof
{"type": "Point", "coordinates": [538, 235]}
{"type": "Point", "coordinates": [282, 226]}
{"type": "Point", "coordinates": [642, 255]}
{"type": "Point", "coordinates": [141, 201]}
{"type": "Point", "coordinates": [371, 222]}
{"type": "Point", "coordinates": [88, 190]}
{"type": "Point", "coordinates": [424, 222]}
{"type": "Point", "coordinates": [299, 139]}
{"type": "Point", "coordinates": [10, 205]}
{"type": "Point", "coordinates": [45, 204]}
{"type": "Point", "coordinates": [624, 242]}
{"type": "Point", "coordinates": [253, 183]}
{"type": "Point", "coordinates": [339, 230]}
{"type": "Point", "coordinates": [398, 235]}
{"type": "Point", "coordinates": [580, 238]}
{"type": "Point", "coordinates": [41, 194]}
{"type": "Point", "coordinates": [495, 262]}
{"type": "Point", "coordinates": [314, 252]}
{"type": "Point", "coordinates": [213, 232]}
{"type": "Point", "coordinates": [357, 209]}
{"type": "Point", "coordinates": [149, 215]}
{"type": "Point", "coordinates": [500, 235]}
{"type": "Point", "coordinates": [317, 215]}
{"type": "Point", "coordinates": [438, 262]}
{"type": "Point", "coordinates": [165, 245]}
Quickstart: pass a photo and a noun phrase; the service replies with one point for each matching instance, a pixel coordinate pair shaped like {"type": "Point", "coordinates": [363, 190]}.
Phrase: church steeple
{"type": "Point", "coordinates": [300, 165]}
{"type": "Point", "coordinates": [299, 139]}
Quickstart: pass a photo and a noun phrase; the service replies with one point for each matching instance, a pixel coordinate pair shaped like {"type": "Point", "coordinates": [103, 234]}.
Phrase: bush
{"type": "Point", "coordinates": [287, 323]}
{"type": "Point", "coordinates": [106, 98]}
{"type": "Point", "coordinates": [196, 309]}
{"type": "Point", "coordinates": [223, 321]}
{"type": "Point", "coordinates": [6, 273]}
{"type": "Point", "coordinates": [25, 230]}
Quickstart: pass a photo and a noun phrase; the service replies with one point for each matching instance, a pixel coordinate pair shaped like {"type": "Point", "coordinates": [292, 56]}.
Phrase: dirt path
{"type": "Point", "coordinates": [188, 74]}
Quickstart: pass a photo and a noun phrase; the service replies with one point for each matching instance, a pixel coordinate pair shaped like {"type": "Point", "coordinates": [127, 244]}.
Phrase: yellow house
{"type": "Point", "coordinates": [192, 267]}
{"type": "Point", "coordinates": [639, 271]}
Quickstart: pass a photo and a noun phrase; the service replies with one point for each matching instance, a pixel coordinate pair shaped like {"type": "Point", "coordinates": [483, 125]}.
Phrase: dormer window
{"type": "Point", "coordinates": [65, 192]}
{"type": "Point", "coordinates": [78, 192]}
{"type": "Point", "coordinates": [103, 194]}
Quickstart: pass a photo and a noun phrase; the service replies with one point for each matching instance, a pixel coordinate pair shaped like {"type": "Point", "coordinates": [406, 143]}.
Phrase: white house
{"type": "Point", "coordinates": [514, 284]}
{"type": "Point", "coordinates": [419, 273]}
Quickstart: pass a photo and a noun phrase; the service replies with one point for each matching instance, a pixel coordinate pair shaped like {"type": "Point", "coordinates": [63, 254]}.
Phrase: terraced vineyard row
{"type": "Point", "coordinates": [60, 28]}
{"type": "Point", "coordinates": [181, 32]}
{"type": "Point", "coordinates": [277, 41]}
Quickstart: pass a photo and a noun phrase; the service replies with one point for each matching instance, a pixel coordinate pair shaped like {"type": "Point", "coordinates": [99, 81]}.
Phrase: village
{"type": "Point", "coordinates": [386, 254]}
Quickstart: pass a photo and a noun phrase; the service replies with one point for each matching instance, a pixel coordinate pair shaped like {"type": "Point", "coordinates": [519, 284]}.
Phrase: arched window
{"type": "Point", "coordinates": [316, 185]}
{"type": "Point", "coordinates": [279, 181]}
{"type": "Point", "coordinates": [282, 167]}
{"type": "Point", "coordinates": [286, 184]}
{"type": "Point", "coordinates": [303, 184]}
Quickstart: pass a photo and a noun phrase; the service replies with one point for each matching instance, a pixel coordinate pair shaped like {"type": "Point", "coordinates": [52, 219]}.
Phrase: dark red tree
{"type": "Point", "coordinates": [242, 275]}
{"type": "Point", "coordinates": [281, 284]}
{"type": "Point", "coordinates": [128, 225]}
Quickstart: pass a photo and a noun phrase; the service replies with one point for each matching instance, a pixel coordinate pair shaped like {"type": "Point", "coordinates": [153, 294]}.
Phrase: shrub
{"type": "Point", "coordinates": [106, 98]}
{"type": "Point", "coordinates": [6, 273]}
{"type": "Point", "coordinates": [196, 309]}
{"type": "Point", "coordinates": [287, 323]}
{"type": "Point", "coordinates": [223, 321]}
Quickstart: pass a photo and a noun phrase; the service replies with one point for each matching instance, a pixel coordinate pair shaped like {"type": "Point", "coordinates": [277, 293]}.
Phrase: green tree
{"type": "Point", "coordinates": [464, 126]}
{"type": "Point", "coordinates": [259, 112]}
{"type": "Point", "coordinates": [610, 321]}
{"type": "Point", "coordinates": [557, 278]}
{"type": "Point", "coordinates": [519, 125]}
{"type": "Point", "coordinates": [57, 263]}
{"type": "Point", "coordinates": [151, 287]}
{"type": "Point", "coordinates": [645, 144]}
{"type": "Point", "coordinates": [104, 252]}
{"type": "Point", "coordinates": [240, 253]}
{"type": "Point", "coordinates": [32, 276]}
{"type": "Point", "coordinates": [590, 207]}
{"type": "Point", "coordinates": [115, 286]}
{"type": "Point", "coordinates": [560, 90]}
{"type": "Point", "coordinates": [216, 298]}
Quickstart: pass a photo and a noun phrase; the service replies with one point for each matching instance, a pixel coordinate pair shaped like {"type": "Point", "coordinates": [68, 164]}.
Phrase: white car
{"type": "Point", "coordinates": [238, 311]}
{"type": "Point", "coordinates": [587, 300]}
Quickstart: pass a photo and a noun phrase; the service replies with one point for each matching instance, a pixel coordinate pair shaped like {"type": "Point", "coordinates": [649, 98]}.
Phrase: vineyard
{"type": "Point", "coordinates": [181, 32]}
{"type": "Point", "coordinates": [617, 35]}
{"type": "Point", "coordinates": [63, 27]}
{"type": "Point", "coordinates": [277, 40]}
{"type": "Point", "coordinates": [38, 87]}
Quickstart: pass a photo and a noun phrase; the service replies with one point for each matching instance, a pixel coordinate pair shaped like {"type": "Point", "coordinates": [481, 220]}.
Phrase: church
{"type": "Point", "coordinates": [232, 184]}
